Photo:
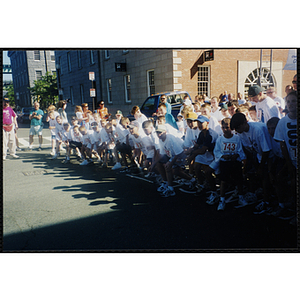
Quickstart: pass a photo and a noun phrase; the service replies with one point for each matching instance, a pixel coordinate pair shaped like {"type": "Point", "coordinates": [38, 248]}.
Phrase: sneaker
{"type": "Point", "coordinates": [54, 156]}
{"type": "Point", "coordinates": [117, 166]}
{"type": "Point", "coordinates": [260, 208]}
{"type": "Point", "coordinates": [162, 187]}
{"type": "Point", "coordinates": [39, 149]}
{"type": "Point", "coordinates": [221, 206]}
{"type": "Point", "coordinates": [202, 188]}
{"type": "Point", "coordinates": [14, 156]}
{"type": "Point", "coordinates": [4, 158]}
{"type": "Point", "coordinates": [242, 201]}
{"type": "Point", "coordinates": [168, 193]}
{"type": "Point", "coordinates": [52, 153]}
{"type": "Point", "coordinates": [29, 149]}
{"type": "Point", "coordinates": [213, 198]}
{"type": "Point", "coordinates": [84, 163]}
{"type": "Point", "coordinates": [66, 160]}
{"type": "Point", "coordinates": [18, 149]}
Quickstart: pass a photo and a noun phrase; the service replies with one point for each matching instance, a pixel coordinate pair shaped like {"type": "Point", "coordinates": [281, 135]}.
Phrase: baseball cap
{"type": "Point", "coordinates": [160, 128]}
{"type": "Point", "coordinates": [191, 116]}
{"type": "Point", "coordinates": [102, 102]}
{"type": "Point", "coordinates": [119, 112]}
{"type": "Point", "coordinates": [202, 119]}
{"type": "Point", "coordinates": [6, 99]}
{"type": "Point", "coordinates": [254, 90]}
{"type": "Point", "coordinates": [134, 124]}
{"type": "Point", "coordinates": [223, 106]}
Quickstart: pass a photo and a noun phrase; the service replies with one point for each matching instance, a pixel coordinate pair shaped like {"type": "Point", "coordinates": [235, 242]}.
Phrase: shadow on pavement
{"type": "Point", "coordinates": [140, 220]}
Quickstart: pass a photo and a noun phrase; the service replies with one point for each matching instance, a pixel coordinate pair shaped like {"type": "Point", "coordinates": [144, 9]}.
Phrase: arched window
{"type": "Point", "coordinates": [267, 79]}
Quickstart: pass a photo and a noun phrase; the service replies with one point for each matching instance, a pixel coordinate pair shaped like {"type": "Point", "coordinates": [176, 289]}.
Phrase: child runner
{"type": "Point", "coordinates": [170, 161]}
{"type": "Point", "coordinates": [256, 139]}
{"type": "Point", "coordinates": [286, 134]}
{"type": "Point", "coordinates": [229, 155]}
{"type": "Point", "coordinates": [180, 124]}
{"type": "Point", "coordinates": [51, 120]}
{"type": "Point", "coordinates": [213, 122]}
{"type": "Point", "coordinates": [58, 136]}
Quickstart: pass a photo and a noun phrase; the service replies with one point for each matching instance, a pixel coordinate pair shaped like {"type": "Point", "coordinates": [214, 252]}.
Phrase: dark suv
{"type": "Point", "coordinates": [174, 98]}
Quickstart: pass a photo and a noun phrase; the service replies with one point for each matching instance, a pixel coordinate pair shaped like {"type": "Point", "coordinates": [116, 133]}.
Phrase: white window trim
{"type": "Point", "coordinates": [92, 60]}
{"type": "Point", "coordinates": [105, 54]}
{"type": "Point", "coordinates": [72, 95]}
{"type": "Point", "coordinates": [34, 55]}
{"type": "Point", "coordinates": [36, 74]}
{"type": "Point", "coordinates": [208, 75]}
{"type": "Point", "coordinates": [125, 86]}
{"type": "Point", "coordinates": [148, 86]}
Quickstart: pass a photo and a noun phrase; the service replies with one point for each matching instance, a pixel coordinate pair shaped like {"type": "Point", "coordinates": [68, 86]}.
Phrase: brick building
{"type": "Point", "coordinates": [125, 77]}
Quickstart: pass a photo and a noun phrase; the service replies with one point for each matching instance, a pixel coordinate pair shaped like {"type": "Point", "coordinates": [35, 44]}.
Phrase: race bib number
{"type": "Point", "coordinates": [229, 147]}
{"type": "Point", "coordinates": [168, 152]}
{"type": "Point", "coordinates": [138, 145]}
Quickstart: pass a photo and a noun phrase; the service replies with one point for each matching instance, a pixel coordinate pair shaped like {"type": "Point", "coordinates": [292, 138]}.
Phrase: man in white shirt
{"type": "Point", "coordinates": [272, 93]}
{"type": "Point", "coordinates": [266, 108]}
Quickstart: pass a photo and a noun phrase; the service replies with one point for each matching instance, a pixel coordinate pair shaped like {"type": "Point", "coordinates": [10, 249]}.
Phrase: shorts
{"type": "Point", "coordinates": [205, 159]}
{"type": "Point", "coordinates": [231, 169]}
{"type": "Point", "coordinates": [180, 162]}
{"type": "Point", "coordinates": [74, 144]}
{"type": "Point", "coordinates": [53, 136]}
{"type": "Point", "coordinates": [124, 148]}
{"type": "Point", "coordinates": [36, 130]}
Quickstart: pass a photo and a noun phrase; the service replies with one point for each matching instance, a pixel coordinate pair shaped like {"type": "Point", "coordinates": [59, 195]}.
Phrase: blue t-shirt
{"type": "Point", "coordinates": [34, 121]}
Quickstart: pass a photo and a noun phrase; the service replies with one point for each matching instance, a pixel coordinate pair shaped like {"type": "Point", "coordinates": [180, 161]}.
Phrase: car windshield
{"type": "Point", "coordinates": [149, 104]}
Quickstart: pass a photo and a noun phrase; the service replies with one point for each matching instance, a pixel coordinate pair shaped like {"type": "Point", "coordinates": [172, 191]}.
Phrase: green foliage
{"type": "Point", "coordinates": [10, 94]}
{"type": "Point", "coordinates": [45, 90]}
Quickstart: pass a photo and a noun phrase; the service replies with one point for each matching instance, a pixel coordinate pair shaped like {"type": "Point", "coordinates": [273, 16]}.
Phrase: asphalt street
{"type": "Point", "coordinates": [51, 206]}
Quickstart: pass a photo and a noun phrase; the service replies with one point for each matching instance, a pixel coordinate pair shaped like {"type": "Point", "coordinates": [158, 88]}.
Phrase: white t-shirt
{"type": "Point", "coordinates": [217, 114]}
{"type": "Point", "coordinates": [229, 146]}
{"type": "Point", "coordinates": [58, 130]}
{"type": "Point", "coordinates": [280, 104]}
{"type": "Point", "coordinates": [52, 123]}
{"type": "Point", "coordinates": [74, 137]}
{"type": "Point", "coordinates": [257, 139]}
{"type": "Point", "coordinates": [266, 110]}
{"type": "Point", "coordinates": [171, 146]}
{"type": "Point", "coordinates": [191, 137]}
{"type": "Point", "coordinates": [121, 133]}
{"type": "Point", "coordinates": [142, 142]}
{"type": "Point", "coordinates": [215, 125]}
{"type": "Point", "coordinates": [286, 131]}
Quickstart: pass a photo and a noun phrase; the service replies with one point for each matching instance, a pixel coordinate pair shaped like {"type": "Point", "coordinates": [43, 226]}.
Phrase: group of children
{"type": "Point", "coordinates": [209, 148]}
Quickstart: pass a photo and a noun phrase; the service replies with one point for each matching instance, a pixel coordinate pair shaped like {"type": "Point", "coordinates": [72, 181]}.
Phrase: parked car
{"type": "Point", "coordinates": [23, 116]}
{"type": "Point", "coordinates": [174, 98]}
{"type": "Point", "coordinates": [150, 105]}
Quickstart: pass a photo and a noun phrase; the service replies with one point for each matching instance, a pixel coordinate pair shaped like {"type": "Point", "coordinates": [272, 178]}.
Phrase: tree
{"type": "Point", "coordinates": [10, 93]}
{"type": "Point", "coordinates": [45, 90]}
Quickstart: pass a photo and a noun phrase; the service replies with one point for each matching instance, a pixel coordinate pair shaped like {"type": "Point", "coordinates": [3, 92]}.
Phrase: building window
{"type": "Point", "coordinates": [204, 80]}
{"type": "Point", "coordinates": [71, 95]}
{"type": "Point", "coordinates": [92, 61]}
{"type": "Point", "coordinates": [52, 56]}
{"type": "Point", "coordinates": [38, 75]}
{"type": "Point", "coordinates": [266, 80]}
{"type": "Point", "coordinates": [79, 59]}
{"type": "Point", "coordinates": [107, 55]}
{"type": "Point", "coordinates": [108, 85]}
{"type": "Point", "coordinates": [81, 93]}
{"type": "Point", "coordinates": [69, 61]}
{"type": "Point", "coordinates": [150, 82]}
{"type": "Point", "coordinates": [127, 88]}
{"type": "Point", "coordinates": [37, 55]}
